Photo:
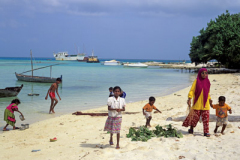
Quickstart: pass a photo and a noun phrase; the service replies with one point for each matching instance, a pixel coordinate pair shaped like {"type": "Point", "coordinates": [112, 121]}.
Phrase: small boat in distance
{"type": "Point", "coordinates": [10, 91]}
{"type": "Point", "coordinates": [112, 63]}
{"type": "Point", "coordinates": [92, 58]}
{"type": "Point", "coordinates": [31, 78]}
{"type": "Point", "coordinates": [135, 65]}
{"type": "Point", "coordinates": [64, 56]}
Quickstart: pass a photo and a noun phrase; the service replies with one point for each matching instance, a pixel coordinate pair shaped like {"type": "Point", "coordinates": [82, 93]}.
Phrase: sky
{"type": "Point", "coordinates": [129, 29]}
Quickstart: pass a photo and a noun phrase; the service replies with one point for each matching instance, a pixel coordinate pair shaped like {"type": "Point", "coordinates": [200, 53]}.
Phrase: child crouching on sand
{"type": "Point", "coordinates": [9, 116]}
{"type": "Point", "coordinates": [221, 113]}
{"type": "Point", "coordinates": [115, 104]}
{"type": "Point", "coordinates": [147, 110]}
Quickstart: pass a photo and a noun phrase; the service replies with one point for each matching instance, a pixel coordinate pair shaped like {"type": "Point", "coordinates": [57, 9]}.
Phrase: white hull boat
{"type": "Point", "coordinates": [64, 56]}
{"type": "Point", "coordinates": [135, 65]}
{"type": "Point", "coordinates": [112, 63]}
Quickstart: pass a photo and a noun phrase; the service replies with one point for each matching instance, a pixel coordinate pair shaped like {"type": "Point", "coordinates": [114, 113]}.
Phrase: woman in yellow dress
{"type": "Point", "coordinates": [200, 94]}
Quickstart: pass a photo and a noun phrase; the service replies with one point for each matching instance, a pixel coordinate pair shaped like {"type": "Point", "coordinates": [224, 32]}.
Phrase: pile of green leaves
{"type": "Point", "coordinates": [168, 132]}
{"type": "Point", "coordinates": [144, 134]}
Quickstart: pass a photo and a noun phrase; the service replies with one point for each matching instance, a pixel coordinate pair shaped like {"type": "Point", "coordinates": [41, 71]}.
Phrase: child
{"type": "Point", "coordinates": [9, 116]}
{"type": "Point", "coordinates": [51, 93]}
{"type": "Point", "coordinates": [147, 110]}
{"type": "Point", "coordinates": [221, 113]}
{"type": "Point", "coordinates": [111, 92]}
{"type": "Point", "coordinates": [123, 94]}
{"type": "Point", "coordinates": [115, 104]}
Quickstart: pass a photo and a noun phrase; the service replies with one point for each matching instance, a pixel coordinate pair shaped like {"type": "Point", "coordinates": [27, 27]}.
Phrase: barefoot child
{"type": "Point", "coordinates": [221, 113]}
{"type": "Point", "coordinates": [147, 110]}
{"type": "Point", "coordinates": [51, 93]}
{"type": "Point", "coordinates": [115, 104]}
{"type": "Point", "coordinates": [9, 116]}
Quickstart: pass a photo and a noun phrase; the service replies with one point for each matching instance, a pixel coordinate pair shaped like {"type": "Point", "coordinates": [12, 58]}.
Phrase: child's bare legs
{"type": "Point", "coordinates": [215, 130]}
{"type": "Point", "coordinates": [111, 141]}
{"type": "Point", "coordinates": [5, 128]}
{"type": "Point", "coordinates": [56, 101]}
{"type": "Point", "coordinates": [149, 119]}
{"type": "Point", "coordinates": [146, 122]}
{"type": "Point", "coordinates": [223, 128]}
{"type": "Point", "coordinates": [118, 138]}
{"type": "Point", "coordinates": [52, 102]}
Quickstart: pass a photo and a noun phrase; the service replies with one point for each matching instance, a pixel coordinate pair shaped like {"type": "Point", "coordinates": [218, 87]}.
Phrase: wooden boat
{"type": "Point", "coordinates": [31, 78]}
{"type": "Point", "coordinates": [10, 91]}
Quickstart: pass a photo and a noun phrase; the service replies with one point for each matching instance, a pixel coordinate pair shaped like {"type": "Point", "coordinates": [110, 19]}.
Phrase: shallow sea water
{"type": "Point", "coordinates": [84, 86]}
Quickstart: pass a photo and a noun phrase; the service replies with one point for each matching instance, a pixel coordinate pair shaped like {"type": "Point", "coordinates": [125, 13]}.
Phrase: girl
{"type": "Point", "coordinates": [200, 94]}
{"type": "Point", "coordinates": [115, 104]}
{"type": "Point", "coordinates": [9, 117]}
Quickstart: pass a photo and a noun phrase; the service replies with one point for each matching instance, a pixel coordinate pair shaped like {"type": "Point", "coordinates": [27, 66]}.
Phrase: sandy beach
{"type": "Point", "coordinates": [82, 137]}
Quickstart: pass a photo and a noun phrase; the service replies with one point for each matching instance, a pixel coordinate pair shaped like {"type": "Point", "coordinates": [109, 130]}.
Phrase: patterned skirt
{"type": "Point", "coordinates": [113, 124]}
{"type": "Point", "coordinates": [9, 117]}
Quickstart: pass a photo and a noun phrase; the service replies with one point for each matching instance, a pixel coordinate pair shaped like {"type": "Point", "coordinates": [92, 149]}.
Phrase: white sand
{"type": "Point", "coordinates": [82, 137]}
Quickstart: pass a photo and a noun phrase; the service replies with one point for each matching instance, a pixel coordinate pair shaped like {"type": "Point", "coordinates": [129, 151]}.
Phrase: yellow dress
{"type": "Point", "coordinates": [199, 105]}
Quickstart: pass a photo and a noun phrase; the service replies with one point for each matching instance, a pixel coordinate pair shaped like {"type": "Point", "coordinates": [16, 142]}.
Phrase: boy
{"type": "Point", "coordinates": [51, 93]}
{"type": "Point", "coordinates": [221, 113]}
{"type": "Point", "coordinates": [147, 110]}
{"type": "Point", "coordinates": [111, 92]}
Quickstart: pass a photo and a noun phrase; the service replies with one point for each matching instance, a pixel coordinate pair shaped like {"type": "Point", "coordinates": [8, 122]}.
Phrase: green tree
{"type": "Point", "coordinates": [220, 40]}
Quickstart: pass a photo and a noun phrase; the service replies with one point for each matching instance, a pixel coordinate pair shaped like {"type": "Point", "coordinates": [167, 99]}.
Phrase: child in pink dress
{"type": "Point", "coordinates": [9, 116]}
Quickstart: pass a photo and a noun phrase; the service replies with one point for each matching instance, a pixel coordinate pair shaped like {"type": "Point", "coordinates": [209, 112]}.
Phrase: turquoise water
{"type": "Point", "coordinates": [85, 85]}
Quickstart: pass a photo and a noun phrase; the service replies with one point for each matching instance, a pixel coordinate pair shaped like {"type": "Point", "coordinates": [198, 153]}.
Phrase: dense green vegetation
{"type": "Point", "coordinates": [144, 134]}
{"type": "Point", "coordinates": [220, 40]}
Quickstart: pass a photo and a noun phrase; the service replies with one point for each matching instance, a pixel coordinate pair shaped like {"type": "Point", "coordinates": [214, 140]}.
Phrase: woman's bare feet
{"type": "Point", "coordinates": [222, 133]}
{"type": "Point", "coordinates": [5, 129]}
{"type": "Point", "coordinates": [53, 111]}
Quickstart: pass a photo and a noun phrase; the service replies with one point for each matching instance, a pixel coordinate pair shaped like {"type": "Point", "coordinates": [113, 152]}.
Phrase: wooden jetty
{"type": "Point", "coordinates": [10, 91]}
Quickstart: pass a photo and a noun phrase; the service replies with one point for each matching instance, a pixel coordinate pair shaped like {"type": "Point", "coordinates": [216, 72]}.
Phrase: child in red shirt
{"type": "Point", "coordinates": [147, 110]}
{"type": "Point", "coordinates": [221, 113]}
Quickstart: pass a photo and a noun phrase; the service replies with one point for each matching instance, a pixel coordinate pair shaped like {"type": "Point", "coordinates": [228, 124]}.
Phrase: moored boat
{"type": "Point", "coordinates": [31, 78]}
{"type": "Point", "coordinates": [92, 58]}
{"type": "Point", "coordinates": [64, 56]}
{"type": "Point", "coordinates": [135, 65]}
{"type": "Point", "coordinates": [10, 91]}
{"type": "Point", "coordinates": [112, 63]}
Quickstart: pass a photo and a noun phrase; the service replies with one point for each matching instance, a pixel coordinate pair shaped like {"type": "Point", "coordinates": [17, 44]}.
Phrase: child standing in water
{"type": "Point", "coordinates": [147, 110]}
{"type": "Point", "coordinates": [115, 104]}
{"type": "Point", "coordinates": [221, 113]}
{"type": "Point", "coordinates": [51, 93]}
{"type": "Point", "coordinates": [9, 116]}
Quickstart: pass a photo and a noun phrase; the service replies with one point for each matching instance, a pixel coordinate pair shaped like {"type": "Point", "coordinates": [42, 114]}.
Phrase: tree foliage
{"type": "Point", "coordinates": [220, 40]}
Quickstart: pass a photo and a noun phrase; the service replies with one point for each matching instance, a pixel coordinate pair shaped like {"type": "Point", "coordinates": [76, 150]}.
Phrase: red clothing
{"type": "Point", "coordinates": [52, 95]}
{"type": "Point", "coordinates": [193, 123]}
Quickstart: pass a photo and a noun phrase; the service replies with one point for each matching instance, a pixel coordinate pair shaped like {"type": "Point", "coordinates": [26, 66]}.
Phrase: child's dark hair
{"type": "Point", "coordinates": [117, 87]}
{"type": "Point", "coordinates": [16, 101]}
{"type": "Point", "coordinates": [152, 99]}
{"type": "Point", "coordinates": [59, 79]}
{"type": "Point", "coordinates": [111, 88]}
{"type": "Point", "coordinates": [222, 98]}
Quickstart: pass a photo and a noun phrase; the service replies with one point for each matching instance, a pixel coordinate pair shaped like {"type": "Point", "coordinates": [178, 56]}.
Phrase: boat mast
{"type": "Point", "coordinates": [31, 62]}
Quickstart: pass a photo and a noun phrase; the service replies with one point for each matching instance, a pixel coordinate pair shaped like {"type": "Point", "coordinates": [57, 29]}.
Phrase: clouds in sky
{"type": "Point", "coordinates": [109, 7]}
{"type": "Point", "coordinates": [113, 28]}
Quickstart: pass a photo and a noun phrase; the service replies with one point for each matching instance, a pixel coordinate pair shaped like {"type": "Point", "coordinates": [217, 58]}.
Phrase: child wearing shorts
{"type": "Point", "coordinates": [221, 113]}
{"type": "Point", "coordinates": [147, 110]}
